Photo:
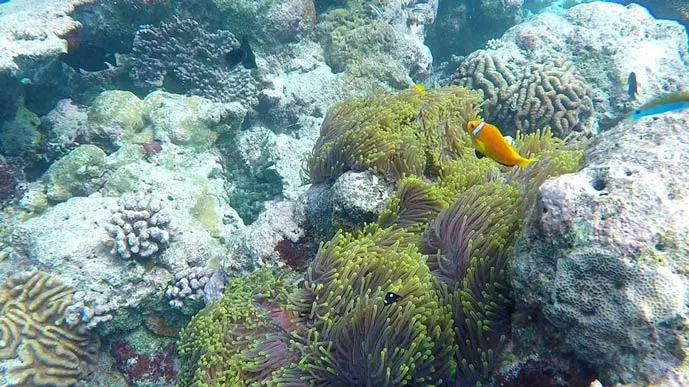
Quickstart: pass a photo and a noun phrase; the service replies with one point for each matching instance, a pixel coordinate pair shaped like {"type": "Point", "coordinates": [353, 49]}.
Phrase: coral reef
{"type": "Point", "coordinates": [80, 173]}
{"type": "Point", "coordinates": [393, 135]}
{"type": "Point", "coordinates": [21, 134]}
{"type": "Point", "coordinates": [600, 44]}
{"type": "Point", "coordinates": [375, 50]}
{"type": "Point", "coordinates": [604, 255]}
{"type": "Point", "coordinates": [114, 118]}
{"type": "Point", "coordinates": [527, 98]}
{"type": "Point", "coordinates": [148, 368]}
{"type": "Point", "coordinates": [139, 229]}
{"type": "Point", "coordinates": [186, 57]}
{"type": "Point", "coordinates": [11, 179]}
{"type": "Point", "coordinates": [667, 9]}
{"type": "Point", "coordinates": [255, 245]}
{"type": "Point", "coordinates": [33, 39]}
{"type": "Point", "coordinates": [47, 352]}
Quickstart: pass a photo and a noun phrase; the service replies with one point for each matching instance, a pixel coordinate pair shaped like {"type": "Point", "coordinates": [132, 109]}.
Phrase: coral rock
{"type": "Point", "coordinates": [605, 255]}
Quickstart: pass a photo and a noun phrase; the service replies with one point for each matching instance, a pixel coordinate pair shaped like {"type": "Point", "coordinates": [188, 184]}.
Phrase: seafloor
{"type": "Point", "coordinates": [284, 193]}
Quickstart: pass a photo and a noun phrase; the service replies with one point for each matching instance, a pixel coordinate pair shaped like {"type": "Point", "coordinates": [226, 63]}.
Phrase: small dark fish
{"type": "Point", "coordinates": [391, 298]}
{"type": "Point", "coordinates": [632, 85]}
{"type": "Point", "coordinates": [242, 55]}
{"type": "Point", "coordinates": [4, 1]}
{"type": "Point", "coordinates": [663, 104]}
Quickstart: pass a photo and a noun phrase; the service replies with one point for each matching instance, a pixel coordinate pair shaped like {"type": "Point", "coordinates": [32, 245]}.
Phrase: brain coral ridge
{"type": "Point", "coordinates": [528, 97]}
{"type": "Point", "coordinates": [48, 352]}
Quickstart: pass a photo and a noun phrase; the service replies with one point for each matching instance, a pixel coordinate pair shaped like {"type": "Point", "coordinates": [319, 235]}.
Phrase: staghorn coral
{"type": "Point", "coordinates": [185, 57]}
{"type": "Point", "coordinates": [240, 339]}
{"type": "Point", "coordinates": [48, 352]}
{"type": "Point", "coordinates": [139, 230]}
{"type": "Point", "coordinates": [407, 133]}
{"type": "Point", "coordinates": [350, 337]}
{"type": "Point", "coordinates": [527, 98]}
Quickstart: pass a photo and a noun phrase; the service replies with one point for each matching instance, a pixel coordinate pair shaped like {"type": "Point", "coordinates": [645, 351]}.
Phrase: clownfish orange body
{"type": "Point", "coordinates": [490, 142]}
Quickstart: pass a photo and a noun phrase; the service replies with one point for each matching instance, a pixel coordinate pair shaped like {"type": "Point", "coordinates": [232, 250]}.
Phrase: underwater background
{"type": "Point", "coordinates": [344, 193]}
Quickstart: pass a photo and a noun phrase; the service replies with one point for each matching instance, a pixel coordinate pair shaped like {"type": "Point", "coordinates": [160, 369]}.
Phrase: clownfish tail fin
{"type": "Point", "coordinates": [523, 163]}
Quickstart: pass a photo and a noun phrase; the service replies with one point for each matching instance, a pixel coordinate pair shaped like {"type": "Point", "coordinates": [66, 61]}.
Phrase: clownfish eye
{"type": "Point", "coordinates": [472, 125]}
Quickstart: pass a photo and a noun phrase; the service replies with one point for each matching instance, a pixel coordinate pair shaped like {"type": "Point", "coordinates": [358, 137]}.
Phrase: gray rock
{"type": "Point", "coordinates": [605, 255]}
{"type": "Point", "coordinates": [254, 246]}
{"type": "Point", "coordinates": [357, 198]}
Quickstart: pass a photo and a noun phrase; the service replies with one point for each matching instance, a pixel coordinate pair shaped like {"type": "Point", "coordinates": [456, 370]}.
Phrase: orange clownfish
{"type": "Point", "coordinates": [489, 141]}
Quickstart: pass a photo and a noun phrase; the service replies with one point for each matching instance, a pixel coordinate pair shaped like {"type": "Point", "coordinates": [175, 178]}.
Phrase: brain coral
{"type": "Point", "coordinates": [527, 98]}
{"type": "Point", "coordinates": [187, 58]}
{"type": "Point", "coordinates": [42, 350]}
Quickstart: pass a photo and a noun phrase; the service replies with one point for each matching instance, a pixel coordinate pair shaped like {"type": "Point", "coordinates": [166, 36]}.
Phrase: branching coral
{"type": "Point", "coordinates": [32, 330]}
{"type": "Point", "coordinates": [529, 97]}
{"type": "Point", "coordinates": [185, 57]}
{"type": "Point", "coordinates": [406, 133]}
{"type": "Point", "coordinates": [242, 338]}
{"type": "Point", "coordinates": [353, 338]}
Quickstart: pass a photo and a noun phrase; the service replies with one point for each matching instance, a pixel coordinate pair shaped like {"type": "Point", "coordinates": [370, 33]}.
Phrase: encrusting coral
{"type": "Point", "coordinates": [187, 58]}
{"type": "Point", "coordinates": [32, 330]}
{"type": "Point", "coordinates": [408, 133]}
